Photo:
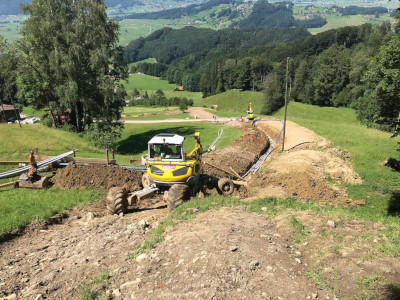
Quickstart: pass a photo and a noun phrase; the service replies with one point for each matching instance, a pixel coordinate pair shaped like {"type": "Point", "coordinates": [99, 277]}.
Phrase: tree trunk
{"type": "Point", "coordinates": [78, 118]}
{"type": "Point", "coordinates": [53, 118]}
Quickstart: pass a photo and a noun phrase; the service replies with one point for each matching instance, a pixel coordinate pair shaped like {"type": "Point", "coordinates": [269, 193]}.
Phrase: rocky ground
{"type": "Point", "coordinates": [230, 253]}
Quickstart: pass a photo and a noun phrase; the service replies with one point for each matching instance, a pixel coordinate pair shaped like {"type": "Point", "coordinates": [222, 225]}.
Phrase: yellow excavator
{"type": "Point", "coordinates": [168, 164]}
{"type": "Point", "coordinates": [250, 113]}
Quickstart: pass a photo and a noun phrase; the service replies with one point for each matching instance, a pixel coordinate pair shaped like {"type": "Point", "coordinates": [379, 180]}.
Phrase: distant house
{"type": "Point", "coordinates": [139, 97]}
{"type": "Point", "coordinates": [8, 114]}
{"type": "Point", "coordinates": [179, 88]}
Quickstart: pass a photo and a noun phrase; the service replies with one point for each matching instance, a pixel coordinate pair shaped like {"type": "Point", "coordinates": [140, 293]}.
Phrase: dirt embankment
{"type": "Point", "coordinates": [240, 155]}
{"type": "Point", "coordinates": [309, 169]}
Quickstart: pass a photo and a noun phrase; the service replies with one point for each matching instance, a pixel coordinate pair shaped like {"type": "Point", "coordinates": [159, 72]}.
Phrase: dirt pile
{"type": "Point", "coordinates": [240, 155]}
{"type": "Point", "coordinates": [98, 177]}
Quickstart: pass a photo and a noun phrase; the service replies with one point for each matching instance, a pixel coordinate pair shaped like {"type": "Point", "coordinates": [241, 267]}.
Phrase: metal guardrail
{"type": "Point", "coordinates": [40, 164]}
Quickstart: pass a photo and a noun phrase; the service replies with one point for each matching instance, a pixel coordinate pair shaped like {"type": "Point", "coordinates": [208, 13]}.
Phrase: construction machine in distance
{"type": "Point", "coordinates": [250, 113]}
{"type": "Point", "coordinates": [167, 165]}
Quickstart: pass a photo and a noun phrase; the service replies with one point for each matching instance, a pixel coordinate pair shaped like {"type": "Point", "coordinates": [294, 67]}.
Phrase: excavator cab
{"type": "Point", "coordinates": [168, 164]}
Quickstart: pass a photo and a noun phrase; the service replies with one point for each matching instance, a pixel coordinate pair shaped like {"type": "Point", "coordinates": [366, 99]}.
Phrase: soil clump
{"type": "Point", "coordinates": [76, 176]}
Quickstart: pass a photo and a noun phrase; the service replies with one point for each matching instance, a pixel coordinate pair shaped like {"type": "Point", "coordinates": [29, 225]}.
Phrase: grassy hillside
{"type": "Point", "coordinates": [151, 84]}
{"type": "Point", "coordinates": [233, 102]}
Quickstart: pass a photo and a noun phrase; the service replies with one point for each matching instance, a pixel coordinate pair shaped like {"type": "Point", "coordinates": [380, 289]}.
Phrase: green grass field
{"type": "Point", "coordinates": [336, 21]}
{"type": "Point", "coordinates": [151, 84]}
{"type": "Point", "coordinates": [149, 61]}
{"type": "Point", "coordinates": [232, 103]}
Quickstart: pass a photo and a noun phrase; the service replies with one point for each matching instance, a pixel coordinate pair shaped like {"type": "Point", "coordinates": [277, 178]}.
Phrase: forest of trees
{"type": "Point", "coordinates": [358, 10]}
{"type": "Point", "coordinates": [167, 44]}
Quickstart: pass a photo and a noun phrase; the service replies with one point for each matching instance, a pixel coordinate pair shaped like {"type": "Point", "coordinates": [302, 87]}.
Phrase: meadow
{"type": "Point", "coordinates": [232, 103]}
{"type": "Point", "coordinates": [151, 84]}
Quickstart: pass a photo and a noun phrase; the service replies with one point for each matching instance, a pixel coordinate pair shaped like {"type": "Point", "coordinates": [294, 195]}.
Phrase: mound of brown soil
{"type": "Point", "coordinates": [239, 156]}
{"type": "Point", "coordinates": [98, 177]}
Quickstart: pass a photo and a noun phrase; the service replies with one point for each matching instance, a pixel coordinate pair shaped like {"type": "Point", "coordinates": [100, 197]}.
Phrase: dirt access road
{"type": "Point", "coordinates": [198, 113]}
{"type": "Point", "coordinates": [230, 253]}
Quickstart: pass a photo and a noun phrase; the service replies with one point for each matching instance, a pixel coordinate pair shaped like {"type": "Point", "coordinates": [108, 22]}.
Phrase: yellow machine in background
{"type": "Point", "coordinates": [249, 113]}
{"type": "Point", "coordinates": [168, 163]}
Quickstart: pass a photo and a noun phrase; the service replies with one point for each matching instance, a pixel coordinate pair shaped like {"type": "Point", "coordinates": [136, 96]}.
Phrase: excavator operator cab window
{"type": "Point", "coordinates": [165, 151]}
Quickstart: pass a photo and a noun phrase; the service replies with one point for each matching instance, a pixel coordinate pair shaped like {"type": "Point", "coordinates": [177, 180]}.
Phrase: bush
{"type": "Point", "coordinates": [46, 120]}
{"type": "Point", "coordinates": [103, 138]}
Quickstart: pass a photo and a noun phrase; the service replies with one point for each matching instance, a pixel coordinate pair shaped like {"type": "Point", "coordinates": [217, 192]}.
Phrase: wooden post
{"type": "Point", "coordinates": [108, 159]}
{"type": "Point", "coordinates": [4, 113]}
{"type": "Point", "coordinates": [284, 123]}
{"type": "Point", "coordinates": [113, 154]}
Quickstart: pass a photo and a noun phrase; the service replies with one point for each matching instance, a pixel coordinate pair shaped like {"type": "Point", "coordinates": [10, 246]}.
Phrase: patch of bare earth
{"type": "Point", "coordinates": [225, 254]}
{"type": "Point", "coordinates": [344, 255]}
{"type": "Point", "coordinates": [199, 112]}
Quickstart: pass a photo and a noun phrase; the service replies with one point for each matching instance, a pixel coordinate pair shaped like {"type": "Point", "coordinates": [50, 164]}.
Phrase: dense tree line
{"type": "Point", "coordinates": [219, 69]}
{"type": "Point", "coordinates": [158, 99]}
{"type": "Point", "coordinates": [168, 44]}
{"type": "Point", "coordinates": [358, 10]}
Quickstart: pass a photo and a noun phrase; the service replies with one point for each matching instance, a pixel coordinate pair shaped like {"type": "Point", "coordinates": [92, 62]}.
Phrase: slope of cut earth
{"type": "Point", "coordinates": [240, 155]}
{"type": "Point", "coordinates": [225, 254]}
{"type": "Point", "coordinates": [54, 261]}
{"type": "Point", "coordinates": [98, 177]}
{"type": "Point", "coordinates": [309, 170]}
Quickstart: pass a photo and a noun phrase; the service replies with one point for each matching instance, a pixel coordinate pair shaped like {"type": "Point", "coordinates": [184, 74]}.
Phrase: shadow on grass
{"type": "Point", "coordinates": [392, 292]}
{"type": "Point", "coordinates": [394, 204]}
{"type": "Point", "coordinates": [137, 143]}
